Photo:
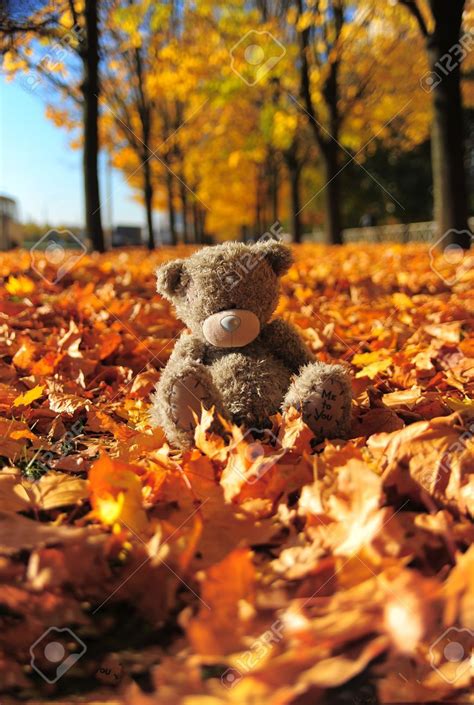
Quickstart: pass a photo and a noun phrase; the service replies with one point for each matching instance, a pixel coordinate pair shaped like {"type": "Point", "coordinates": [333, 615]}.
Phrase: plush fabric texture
{"type": "Point", "coordinates": [323, 393]}
{"type": "Point", "coordinates": [245, 383]}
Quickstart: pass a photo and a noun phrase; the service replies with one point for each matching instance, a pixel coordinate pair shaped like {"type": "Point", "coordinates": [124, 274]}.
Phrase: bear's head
{"type": "Point", "coordinates": [226, 293]}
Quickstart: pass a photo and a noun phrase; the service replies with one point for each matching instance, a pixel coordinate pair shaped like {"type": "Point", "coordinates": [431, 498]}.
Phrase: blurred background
{"type": "Point", "coordinates": [129, 122]}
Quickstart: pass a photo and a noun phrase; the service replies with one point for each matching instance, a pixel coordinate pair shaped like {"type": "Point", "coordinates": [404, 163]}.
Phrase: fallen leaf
{"type": "Point", "coordinates": [116, 495]}
{"type": "Point", "coordinates": [30, 396]}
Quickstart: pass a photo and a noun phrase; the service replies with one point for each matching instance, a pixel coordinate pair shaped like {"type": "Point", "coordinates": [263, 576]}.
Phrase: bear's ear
{"type": "Point", "coordinates": [278, 256]}
{"type": "Point", "coordinates": [170, 278]}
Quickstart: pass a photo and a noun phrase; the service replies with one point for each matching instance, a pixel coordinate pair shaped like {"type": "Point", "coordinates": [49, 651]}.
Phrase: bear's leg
{"type": "Point", "coordinates": [323, 394]}
{"type": "Point", "coordinates": [182, 390]}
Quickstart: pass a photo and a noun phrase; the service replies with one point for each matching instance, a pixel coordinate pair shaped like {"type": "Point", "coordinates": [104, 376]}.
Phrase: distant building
{"type": "Point", "coordinates": [10, 229]}
{"type": "Point", "coordinates": [126, 236]}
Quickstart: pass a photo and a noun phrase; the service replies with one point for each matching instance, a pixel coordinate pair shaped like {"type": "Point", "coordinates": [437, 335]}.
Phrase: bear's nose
{"type": "Point", "coordinates": [230, 323]}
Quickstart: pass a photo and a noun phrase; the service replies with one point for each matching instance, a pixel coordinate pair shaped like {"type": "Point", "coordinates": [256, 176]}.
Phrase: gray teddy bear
{"type": "Point", "coordinates": [234, 356]}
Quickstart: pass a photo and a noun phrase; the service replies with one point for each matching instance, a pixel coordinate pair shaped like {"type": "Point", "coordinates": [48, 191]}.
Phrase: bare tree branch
{"type": "Point", "coordinates": [412, 5]}
{"type": "Point", "coordinates": [72, 7]}
{"type": "Point", "coordinates": [51, 78]}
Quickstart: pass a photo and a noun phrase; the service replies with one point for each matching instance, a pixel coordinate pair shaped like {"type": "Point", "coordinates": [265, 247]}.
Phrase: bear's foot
{"type": "Point", "coordinates": [178, 397]}
{"type": "Point", "coordinates": [185, 399]}
{"type": "Point", "coordinates": [323, 394]}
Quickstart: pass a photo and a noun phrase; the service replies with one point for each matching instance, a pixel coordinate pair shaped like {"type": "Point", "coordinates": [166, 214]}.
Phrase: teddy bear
{"type": "Point", "coordinates": [234, 356]}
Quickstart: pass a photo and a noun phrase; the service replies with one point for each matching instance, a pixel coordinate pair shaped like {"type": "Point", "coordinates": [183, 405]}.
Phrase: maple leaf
{"type": "Point", "coordinates": [430, 459]}
{"type": "Point", "coordinates": [228, 587]}
{"type": "Point", "coordinates": [116, 495]}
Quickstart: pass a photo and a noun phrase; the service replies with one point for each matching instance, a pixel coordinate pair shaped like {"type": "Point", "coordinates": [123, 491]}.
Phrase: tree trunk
{"type": "Point", "coordinates": [274, 186]}
{"type": "Point", "coordinates": [202, 224]}
{"type": "Point", "coordinates": [295, 205]}
{"type": "Point", "coordinates": [171, 211]}
{"type": "Point", "coordinates": [447, 141]}
{"type": "Point", "coordinates": [332, 192]}
{"type": "Point", "coordinates": [184, 210]}
{"type": "Point", "coordinates": [294, 173]}
{"type": "Point", "coordinates": [145, 113]}
{"type": "Point", "coordinates": [244, 233]}
{"type": "Point", "coordinates": [196, 234]}
{"type": "Point", "coordinates": [148, 193]}
{"type": "Point", "coordinates": [90, 92]}
{"type": "Point", "coordinates": [328, 147]}
{"type": "Point", "coordinates": [258, 230]}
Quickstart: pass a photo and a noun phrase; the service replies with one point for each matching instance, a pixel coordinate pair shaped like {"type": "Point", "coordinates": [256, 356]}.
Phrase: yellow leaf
{"type": "Point", "coordinates": [402, 301]}
{"type": "Point", "coordinates": [369, 357]}
{"type": "Point", "coordinates": [19, 286]}
{"type": "Point", "coordinates": [305, 20]}
{"type": "Point", "coordinates": [371, 371]}
{"type": "Point", "coordinates": [292, 15]}
{"type": "Point", "coordinates": [29, 397]}
{"type": "Point", "coordinates": [234, 159]}
{"type": "Point", "coordinates": [460, 404]}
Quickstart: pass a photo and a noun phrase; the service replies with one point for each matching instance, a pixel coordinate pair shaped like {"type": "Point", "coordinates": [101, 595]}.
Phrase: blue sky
{"type": "Point", "coordinates": [41, 171]}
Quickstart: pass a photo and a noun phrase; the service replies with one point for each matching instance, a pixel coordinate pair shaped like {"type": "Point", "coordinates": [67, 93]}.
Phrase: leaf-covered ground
{"type": "Point", "coordinates": [236, 573]}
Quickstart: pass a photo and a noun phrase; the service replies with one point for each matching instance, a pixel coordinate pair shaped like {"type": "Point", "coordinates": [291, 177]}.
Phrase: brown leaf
{"type": "Point", "coordinates": [18, 533]}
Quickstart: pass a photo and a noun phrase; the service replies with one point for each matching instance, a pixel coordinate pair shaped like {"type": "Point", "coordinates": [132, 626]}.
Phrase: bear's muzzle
{"type": "Point", "coordinates": [231, 329]}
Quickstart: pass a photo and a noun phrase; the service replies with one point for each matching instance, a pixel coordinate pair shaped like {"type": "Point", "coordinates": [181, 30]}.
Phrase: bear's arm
{"type": "Point", "coordinates": [282, 340]}
{"type": "Point", "coordinates": [189, 347]}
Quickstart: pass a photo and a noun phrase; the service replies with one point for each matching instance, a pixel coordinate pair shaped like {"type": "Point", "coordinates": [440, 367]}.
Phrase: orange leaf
{"type": "Point", "coordinates": [116, 494]}
{"type": "Point", "coordinates": [218, 627]}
